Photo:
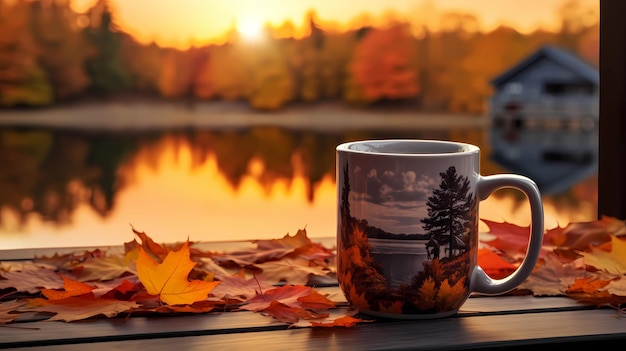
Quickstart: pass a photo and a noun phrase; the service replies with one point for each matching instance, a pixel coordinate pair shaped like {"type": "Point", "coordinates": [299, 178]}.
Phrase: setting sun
{"type": "Point", "coordinates": [185, 23]}
{"type": "Point", "coordinates": [250, 29]}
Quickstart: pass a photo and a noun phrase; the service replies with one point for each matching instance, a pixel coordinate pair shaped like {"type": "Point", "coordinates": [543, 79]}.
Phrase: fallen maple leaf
{"type": "Point", "coordinates": [617, 286]}
{"type": "Point", "coordinates": [316, 301]}
{"type": "Point", "coordinates": [286, 294]}
{"type": "Point", "coordinates": [7, 311]}
{"type": "Point", "coordinates": [237, 286]}
{"type": "Point", "coordinates": [509, 238]}
{"type": "Point", "coordinates": [152, 248]}
{"type": "Point", "coordinates": [345, 321]}
{"type": "Point", "coordinates": [103, 268]}
{"type": "Point", "coordinates": [292, 271]}
{"type": "Point", "coordinates": [169, 280]}
{"type": "Point", "coordinates": [582, 235]}
{"type": "Point", "coordinates": [289, 314]}
{"type": "Point", "coordinates": [121, 289]}
{"type": "Point", "coordinates": [554, 277]}
{"type": "Point", "coordinates": [494, 265]}
{"type": "Point", "coordinates": [298, 240]}
{"type": "Point", "coordinates": [31, 278]}
{"type": "Point", "coordinates": [70, 288]}
{"type": "Point", "coordinates": [81, 307]}
{"type": "Point", "coordinates": [613, 261]}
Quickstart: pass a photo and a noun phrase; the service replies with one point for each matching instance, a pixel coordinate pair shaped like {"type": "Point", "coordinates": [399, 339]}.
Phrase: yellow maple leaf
{"type": "Point", "coordinates": [613, 261]}
{"type": "Point", "coordinates": [168, 280]}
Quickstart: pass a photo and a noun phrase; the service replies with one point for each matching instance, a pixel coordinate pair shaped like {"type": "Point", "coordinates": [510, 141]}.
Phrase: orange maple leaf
{"type": "Point", "coordinates": [345, 321]}
{"type": "Point", "coordinates": [494, 265]}
{"type": "Point", "coordinates": [587, 285]}
{"type": "Point", "coordinates": [168, 280]}
{"type": "Point", "coordinates": [71, 288]}
{"type": "Point", "coordinates": [316, 301]}
{"type": "Point", "coordinates": [149, 245]}
{"type": "Point", "coordinates": [509, 238]}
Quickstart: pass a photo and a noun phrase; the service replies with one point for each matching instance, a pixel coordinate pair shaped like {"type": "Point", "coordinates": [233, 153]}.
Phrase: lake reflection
{"type": "Point", "coordinates": [71, 188]}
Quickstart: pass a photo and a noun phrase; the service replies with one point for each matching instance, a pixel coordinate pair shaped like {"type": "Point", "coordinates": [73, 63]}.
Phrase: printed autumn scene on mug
{"type": "Point", "coordinates": [406, 236]}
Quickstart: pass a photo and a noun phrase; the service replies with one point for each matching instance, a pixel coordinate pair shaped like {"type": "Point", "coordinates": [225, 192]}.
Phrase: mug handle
{"type": "Point", "coordinates": [481, 282]}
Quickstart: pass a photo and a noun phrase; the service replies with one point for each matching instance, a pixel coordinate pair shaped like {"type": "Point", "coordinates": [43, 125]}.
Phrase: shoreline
{"type": "Point", "coordinates": [150, 115]}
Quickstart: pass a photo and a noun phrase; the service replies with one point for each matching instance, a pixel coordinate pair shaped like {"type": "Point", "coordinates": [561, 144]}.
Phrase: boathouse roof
{"type": "Point", "coordinates": [564, 57]}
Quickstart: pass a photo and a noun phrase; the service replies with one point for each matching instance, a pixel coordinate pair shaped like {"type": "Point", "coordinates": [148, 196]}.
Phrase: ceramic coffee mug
{"type": "Point", "coordinates": [407, 229]}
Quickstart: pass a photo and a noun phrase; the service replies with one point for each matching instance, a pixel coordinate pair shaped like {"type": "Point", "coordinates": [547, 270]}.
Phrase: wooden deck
{"type": "Point", "coordinates": [484, 323]}
{"type": "Point", "coordinates": [503, 322]}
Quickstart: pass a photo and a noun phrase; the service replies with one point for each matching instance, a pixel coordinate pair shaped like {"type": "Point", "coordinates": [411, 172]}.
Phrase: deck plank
{"type": "Point", "coordinates": [475, 332]}
{"type": "Point", "coordinates": [103, 329]}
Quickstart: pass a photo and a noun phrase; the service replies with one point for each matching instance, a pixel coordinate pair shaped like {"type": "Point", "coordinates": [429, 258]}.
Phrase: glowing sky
{"type": "Point", "coordinates": [183, 22]}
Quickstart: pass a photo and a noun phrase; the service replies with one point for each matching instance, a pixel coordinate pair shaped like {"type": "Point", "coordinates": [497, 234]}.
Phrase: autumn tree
{"type": "Point", "coordinates": [144, 64]}
{"type": "Point", "coordinates": [450, 211]}
{"type": "Point", "coordinates": [61, 47]}
{"type": "Point", "coordinates": [445, 85]}
{"type": "Point", "coordinates": [22, 79]}
{"type": "Point", "coordinates": [305, 60]}
{"type": "Point", "coordinates": [203, 83]}
{"type": "Point", "coordinates": [106, 70]}
{"type": "Point", "coordinates": [271, 80]}
{"type": "Point", "coordinates": [179, 71]}
{"type": "Point", "coordinates": [229, 72]}
{"type": "Point", "coordinates": [575, 23]}
{"type": "Point", "coordinates": [468, 77]}
{"type": "Point", "coordinates": [384, 65]}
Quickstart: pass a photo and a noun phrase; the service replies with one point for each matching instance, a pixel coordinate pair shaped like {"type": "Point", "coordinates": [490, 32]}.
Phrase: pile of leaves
{"type": "Point", "coordinates": [281, 278]}
{"type": "Point", "coordinates": [585, 261]}
{"type": "Point", "coordinates": [275, 278]}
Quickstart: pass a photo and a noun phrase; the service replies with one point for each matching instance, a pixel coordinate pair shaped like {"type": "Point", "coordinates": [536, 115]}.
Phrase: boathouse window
{"type": "Point", "coordinates": [513, 88]}
{"type": "Point", "coordinates": [571, 88]}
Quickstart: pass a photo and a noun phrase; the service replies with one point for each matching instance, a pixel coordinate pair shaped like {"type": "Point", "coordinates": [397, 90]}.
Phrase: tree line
{"type": "Point", "coordinates": [50, 54]}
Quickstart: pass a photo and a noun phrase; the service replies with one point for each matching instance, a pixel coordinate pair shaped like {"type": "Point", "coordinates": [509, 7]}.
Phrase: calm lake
{"type": "Point", "coordinates": [78, 183]}
{"type": "Point", "coordinates": [401, 260]}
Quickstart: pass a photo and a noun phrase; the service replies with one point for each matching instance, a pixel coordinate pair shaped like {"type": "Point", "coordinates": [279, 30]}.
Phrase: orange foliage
{"type": "Point", "coordinates": [384, 65]}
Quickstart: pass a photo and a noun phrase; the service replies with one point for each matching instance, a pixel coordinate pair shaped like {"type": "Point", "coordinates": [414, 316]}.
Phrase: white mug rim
{"type": "Point", "coordinates": [461, 148]}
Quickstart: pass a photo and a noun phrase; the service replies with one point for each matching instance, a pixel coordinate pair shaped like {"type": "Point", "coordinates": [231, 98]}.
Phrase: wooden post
{"type": "Point", "coordinates": [612, 132]}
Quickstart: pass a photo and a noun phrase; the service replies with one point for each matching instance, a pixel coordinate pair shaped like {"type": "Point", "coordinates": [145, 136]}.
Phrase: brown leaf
{"type": "Point", "coordinates": [553, 277]}
{"type": "Point", "coordinates": [31, 279]}
{"type": "Point", "coordinates": [237, 286]}
{"type": "Point", "coordinates": [8, 311]}
{"type": "Point", "coordinates": [81, 307]}
{"type": "Point", "coordinates": [289, 314]}
{"type": "Point", "coordinates": [582, 235]}
{"type": "Point", "coordinates": [292, 271]}
{"type": "Point", "coordinates": [104, 268]}
{"type": "Point", "coordinates": [286, 294]}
